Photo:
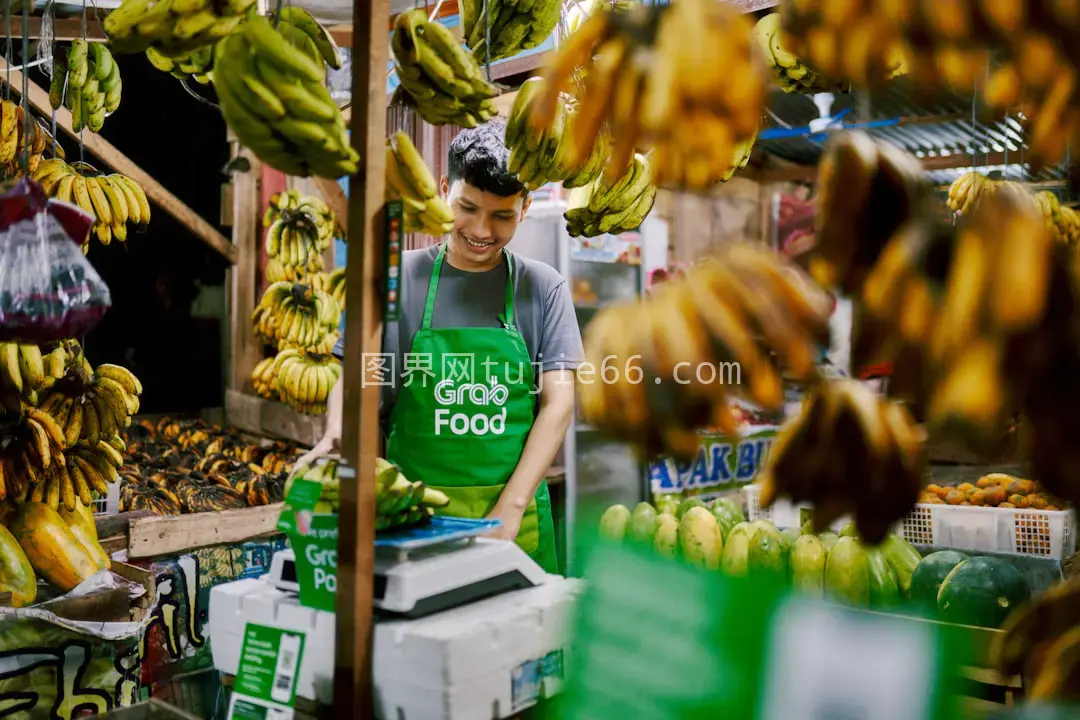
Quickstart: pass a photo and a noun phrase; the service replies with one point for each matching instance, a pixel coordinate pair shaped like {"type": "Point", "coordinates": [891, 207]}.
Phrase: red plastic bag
{"type": "Point", "coordinates": [48, 289]}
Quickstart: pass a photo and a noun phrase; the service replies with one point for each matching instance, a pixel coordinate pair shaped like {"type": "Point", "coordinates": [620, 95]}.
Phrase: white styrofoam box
{"type": "Point", "coordinates": [110, 504]}
{"type": "Point", "coordinates": [782, 513]}
{"type": "Point", "coordinates": [461, 664]}
{"type": "Point", "coordinates": [1044, 533]}
{"type": "Point", "coordinates": [253, 600]}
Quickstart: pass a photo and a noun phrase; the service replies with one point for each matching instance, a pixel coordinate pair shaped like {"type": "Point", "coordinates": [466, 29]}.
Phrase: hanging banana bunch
{"type": "Point", "coordinates": [680, 356]}
{"type": "Point", "coordinates": [437, 75]}
{"type": "Point", "coordinates": [968, 190]}
{"type": "Point", "coordinates": [16, 145]}
{"type": "Point", "coordinates": [271, 85]}
{"type": "Point", "coordinates": [606, 206]}
{"type": "Point", "coordinates": [512, 26]}
{"type": "Point", "coordinates": [197, 64]}
{"type": "Point", "coordinates": [692, 95]}
{"type": "Point", "coordinates": [86, 82]}
{"type": "Point", "coordinates": [789, 72]}
{"type": "Point", "coordinates": [409, 179]}
{"type": "Point", "coordinates": [172, 27]}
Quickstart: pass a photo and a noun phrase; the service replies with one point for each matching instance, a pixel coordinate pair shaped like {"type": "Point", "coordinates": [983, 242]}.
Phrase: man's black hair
{"type": "Point", "coordinates": [479, 156]}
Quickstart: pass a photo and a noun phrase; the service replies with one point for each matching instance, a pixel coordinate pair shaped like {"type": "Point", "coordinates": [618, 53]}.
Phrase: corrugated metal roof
{"type": "Point", "coordinates": [948, 125]}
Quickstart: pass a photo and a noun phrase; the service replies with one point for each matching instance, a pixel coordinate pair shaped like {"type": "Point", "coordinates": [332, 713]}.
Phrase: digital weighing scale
{"type": "Point", "coordinates": [435, 567]}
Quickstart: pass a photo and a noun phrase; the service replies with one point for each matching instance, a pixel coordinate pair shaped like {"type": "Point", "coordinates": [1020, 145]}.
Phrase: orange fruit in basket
{"type": "Point", "coordinates": [978, 497]}
{"type": "Point", "coordinates": [937, 490]}
{"type": "Point", "coordinates": [966, 488]}
{"type": "Point", "coordinates": [1054, 508]}
{"type": "Point", "coordinates": [925, 497]}
{"type": "Point", "coordinates": [1021, 487]}
{"type": "Point", "coordinates": [955, 497]}
{"type": "Point", "coordinates": [1020, 501]}
{"type": "Point", "coordinates": [966, 502]}
{"type": "Point", "coordinates": [994, 495]}
{"type": "Point", "coordinates": [994, 479]}
{"type": "Point", "coordinates": [1006, 505]}
{"type": "Point", "coordinates": [1038, 502]}
{"type": "Point", "coordinates": [936, 500]}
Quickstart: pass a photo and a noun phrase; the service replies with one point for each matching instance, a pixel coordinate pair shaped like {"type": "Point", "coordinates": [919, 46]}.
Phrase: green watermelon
{"type": "Point", "coordinates": [690, 502]}
{"type": "Point", "coordinates": [642, 524]}
{"type": "Point", "coordinates": [930, 573]}
{"type": "Point", "coordinates": [666, 538]}
{"type": "Point", "coordinates": [884, 588]}
{"type": "Point", "coordinates": [614, 522]}
{"type": "Point", "coordinates": [828, 539]}
{"type": "Point", "coordinates": [847, 573]}
{"type": "Point", "coordinates": [982, 591]}
{"type": "Point", "coordinates": [725, 518]}
{"type": "Point", "coordinates": [767, 558]}
{"type": "Point", "coordinates": [807, 563]}
{"type": "Point", "coordinates": [667, 504]}
{"type": "Point", "coordinates": [904, 558]}
{"type": "Point", "coordinates": [849, 531]}
{"type": "Point", "coordinates": [735, 558]}
{"type": "Point", "coordinates": [731, 505]}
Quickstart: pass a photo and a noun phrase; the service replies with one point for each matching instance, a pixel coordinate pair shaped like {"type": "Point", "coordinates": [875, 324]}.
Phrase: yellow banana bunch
{"type": "Point", "coordinates": [302, 380]}
{"type": "Point", "coordinates": [788, 71]}
{"type": "Point", "coordinates": [297, 244]}
{"type": "Point", "coordinates": [692, 94]}
{"type": "Point", "coordinates": [264, 379]}
{"type": "Point", "coordinates": [295, 315]}
{"type": "Point", "coordinates": [16, 145]}
{"type": "Point", "coordinates": [883, 452]}
{"type": "Point", "coordinates": [336, 286]}
{"type": "Point", "coordinates": [315, 210]}
{"type": "Point", "coordinates": [174, 28]}
{"type": "Point", "coordinates": [512, 25]}
{"type": "Point", "coordinates": [86, 82]}
{"type": "Point", "coordinates": [539, 156]}
{"type": "Point", "coordinates": [114, 200]}
{"type": "Point", "coordinates": [33, 452]}
{"type": "Point", "coordinates": [271, 86]}
{"type": "Point", "coordinates": [606, 206]}
{"type": "Point", "coordinates": [198, 64]}
{"type": "Point", "coordinates": [968, 190]}
{"type": "Point", "coordinates": [409, 179]}
{"type": "Point", "coordinates": [669, 365]}
{"type": "Point", "coordinates": [26, 371]}
{"type": "Point", "coordinates": [437, 74]}
{"type": "Point", "coordinates": [581, 11]}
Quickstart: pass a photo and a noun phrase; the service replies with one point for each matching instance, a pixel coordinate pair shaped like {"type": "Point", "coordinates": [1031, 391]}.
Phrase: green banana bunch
{"type": "Point", "coordinates": [512, 25]}
{"type": "Point", "coordinates": [582, 11]}
{"type": "Point", "coordinates": [399, 503]}
{"type": "Point", "coordinates": [612, 207]}
{"type": "Point", "coordinates": [325, 472]}
{"type": "Point", "coordinates": [409, 179]}
{"type": "Point", "coordinates": [88, 83]}
{"type": "Point", "coordinates": [197, 64]}
{"type": "Point", "coordinates": [271, 86]}
{"type": "Point", "coordinates": [539, 157]}
{"type": "Point", "coordinates": [788, 71]}
{"type": "Point", "coordinates": [437, 75]}
{"type": "Point", "coordinates": [175, 28]}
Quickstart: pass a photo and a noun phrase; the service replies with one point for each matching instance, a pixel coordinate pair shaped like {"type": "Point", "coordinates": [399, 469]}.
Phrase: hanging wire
{"type": "Point", "coordinates": [82, 130]}
{"type": "Point", "coordinates": [8, 59]}
{"type": "Point", "coordinates": [187, 88]}
{"type": "Point", "coordinates": [28, 115]}
{"type": "Point", "coordinates": [487, 38]}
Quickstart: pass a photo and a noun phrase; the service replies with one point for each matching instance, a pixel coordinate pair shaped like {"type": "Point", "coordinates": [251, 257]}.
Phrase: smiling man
{"type": "Point", "coordinates": [483, 357]}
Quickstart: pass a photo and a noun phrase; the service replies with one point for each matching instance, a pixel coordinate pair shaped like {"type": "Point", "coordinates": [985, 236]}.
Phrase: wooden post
{"type": "Point", "coordinates": [353, 696]}
{"type": "Point", "coordinates": [244, 348]}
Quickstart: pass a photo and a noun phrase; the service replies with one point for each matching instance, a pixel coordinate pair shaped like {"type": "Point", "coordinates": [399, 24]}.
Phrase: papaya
{"type": "Point", "coordinates": [81, 515]}
{"type": "Point", "coordinates": [762, 526]}
{"type": "Point", "coordinates": [614, 522]}
{"type": "Point", "coordinates": [699, 538]}
{"type": "Point", "coordinates": [50, 547]}
{"type": "Point", "coordinates": [982, 591]}
{"type": "Point", "coordinates": [735, 557]}
{"type": "Point", "coordinates": [16, 574]}
{"type": "Point", "coordinates": [904, 559]}
{"type": "Point", "coordinates": [88, 540]}
{"type": "Point", "coordinates": [847, 573]}
{"type": "Point", "coordinates": [807, 563]}
{"type": "Point", "coordinates": [828, 539]}
{"type": "Point", "coordinates": [884, 589]}
{"type": "Point", "coordinates": [725, 518]}
{"type": "Point", "coordinates": [667, 504]}
{"type": "Point", "coordinates": [788, 536]}
{"type": "Point", "coordinates": [930, 573]}
{"type": "Point", "coordinates": [690, 502]}
{"type": "Point", "coordinates": [767, 558]}
{"type": "Point", "coordinates": [642, 524]}
{"type": "Point", "coordinates": [735, 510]}
{"type": "Point", "coordinates": [666, 539]}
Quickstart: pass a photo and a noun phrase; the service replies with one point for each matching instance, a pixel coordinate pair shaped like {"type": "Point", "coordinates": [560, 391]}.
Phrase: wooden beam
{"type": "Point", "coordinates": [245, 351]}
{"type": "Point", "coordinates": [112, 157]}
{"type": "Point", "coordinates": [353, 681]}
{"type": "Point", "coordinates": [808, 173]}
{"type": "Point", "coordinates": [63, 28]}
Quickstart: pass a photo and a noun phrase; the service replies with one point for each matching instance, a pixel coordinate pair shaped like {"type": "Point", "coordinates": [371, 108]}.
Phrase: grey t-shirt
{"type": "Point", "coordinates": [543, 310]}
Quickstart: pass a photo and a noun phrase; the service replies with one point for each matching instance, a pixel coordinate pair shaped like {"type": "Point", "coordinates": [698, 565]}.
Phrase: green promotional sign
{"type": "Point", "coordinates": [657, 638]}
{"type": "Point", "coordinates": [265, 685]}
{"type": "Point", "coordinates": [313, 537]}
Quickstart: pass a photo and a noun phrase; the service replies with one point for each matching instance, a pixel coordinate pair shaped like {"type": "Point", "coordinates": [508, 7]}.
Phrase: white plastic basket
{"type": "Point", "coordinates": [110, 504]}
{"type": "Point", "coordinates": [783, 514]}
{"type": "Point", "coordinates": [1043, 533]}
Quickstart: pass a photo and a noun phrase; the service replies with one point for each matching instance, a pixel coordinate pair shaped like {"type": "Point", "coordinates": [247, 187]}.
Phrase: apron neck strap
{"type": "Point", "coordinates": [433, 288]}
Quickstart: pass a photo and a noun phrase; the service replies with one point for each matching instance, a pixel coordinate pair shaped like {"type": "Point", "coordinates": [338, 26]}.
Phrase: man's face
{"type": "Point", "coordinates": [483, 223]}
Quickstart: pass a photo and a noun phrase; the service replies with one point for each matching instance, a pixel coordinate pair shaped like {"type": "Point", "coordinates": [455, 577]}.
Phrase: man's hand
{"type": "Point", "coordinates": [323, 448]}
{"type": "Point", "coordinates": [511, 521]}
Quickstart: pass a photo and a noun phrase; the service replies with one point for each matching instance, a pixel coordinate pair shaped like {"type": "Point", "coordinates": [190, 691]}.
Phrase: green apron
{"type": "Point", "coordinates": [465, 435]}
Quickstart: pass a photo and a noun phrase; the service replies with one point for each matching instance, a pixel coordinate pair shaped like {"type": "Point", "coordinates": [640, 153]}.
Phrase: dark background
{"type": "Point", "coordinates": [155, 276]}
